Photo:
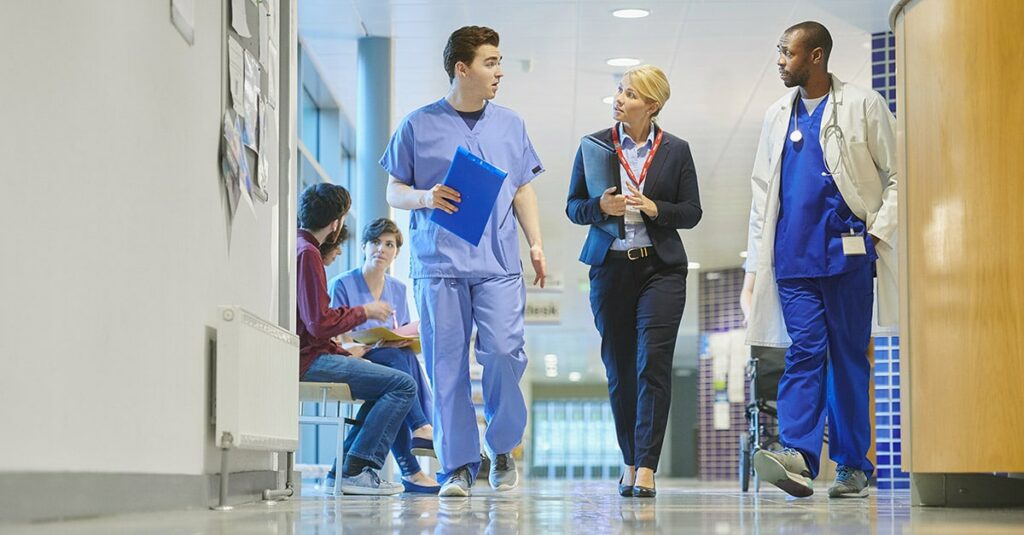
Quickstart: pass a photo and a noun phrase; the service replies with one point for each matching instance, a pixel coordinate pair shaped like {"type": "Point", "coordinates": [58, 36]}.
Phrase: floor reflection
{"type": "Point", "coordinates": [592, 508]}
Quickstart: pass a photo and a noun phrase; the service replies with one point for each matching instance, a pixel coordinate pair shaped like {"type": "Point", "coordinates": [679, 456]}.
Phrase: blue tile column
{"type": "Point", "coordinates": [887, 348]}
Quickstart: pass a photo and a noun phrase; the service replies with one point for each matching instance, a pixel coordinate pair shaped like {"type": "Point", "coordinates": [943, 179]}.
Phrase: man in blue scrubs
{"type": "Point", "coordinates": [822, 259]}
{"type": "Point", "coordinates": [458, 286]}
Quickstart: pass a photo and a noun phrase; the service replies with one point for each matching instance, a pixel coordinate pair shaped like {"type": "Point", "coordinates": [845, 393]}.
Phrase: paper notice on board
{"type": "Point", "coordinates": [238, 18]}
{"type": "Point", "coordinates": [245, 181]}
{"type": "Point", "coordinates": [720, 415]}
{"type": "Point", "coordinates": [236, 74]}
{"type": "Point", "coordinates": [231, 166]}
{"type": "Point", "coordinates": [262, 163]}
{"type": "Point", "coordinates": [250, 98]}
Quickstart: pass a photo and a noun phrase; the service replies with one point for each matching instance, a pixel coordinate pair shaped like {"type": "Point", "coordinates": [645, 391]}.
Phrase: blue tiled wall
{"type": "Point", "coordinates": [887, 348]}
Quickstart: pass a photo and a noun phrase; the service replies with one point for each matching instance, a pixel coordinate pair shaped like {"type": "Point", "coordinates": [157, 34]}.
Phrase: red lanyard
{"type": "Point", "coordinates": [625, 163]}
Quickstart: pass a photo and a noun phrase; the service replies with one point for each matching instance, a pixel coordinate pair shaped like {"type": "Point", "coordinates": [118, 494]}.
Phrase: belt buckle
{"type": "Point", "coordinates": [641, 252]}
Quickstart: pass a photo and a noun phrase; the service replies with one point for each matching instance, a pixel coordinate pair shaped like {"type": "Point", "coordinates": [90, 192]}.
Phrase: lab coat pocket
{"type": "Point", "coordinates": [861, 165]}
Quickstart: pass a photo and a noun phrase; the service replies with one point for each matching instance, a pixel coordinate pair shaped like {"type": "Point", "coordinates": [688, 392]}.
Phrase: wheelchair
{"type": "Point", "coordinates": [763, 372]}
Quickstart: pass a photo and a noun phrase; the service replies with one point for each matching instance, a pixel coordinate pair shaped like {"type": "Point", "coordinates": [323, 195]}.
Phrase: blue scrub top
{"type": "Point", "coordinates": [350, 289]}
{"type": "Point", "coordinates": [812, 213]}
{"type": "Point", "coordinates": [419, 155]}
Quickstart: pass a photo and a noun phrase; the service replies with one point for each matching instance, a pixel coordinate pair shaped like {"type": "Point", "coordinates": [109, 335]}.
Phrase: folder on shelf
{"type": "Point", "coordinates": [409, 331]}
{"type": "Point", "coordinates": [478, 184]}
{"type": "Point", "coordinates": [601, 168]}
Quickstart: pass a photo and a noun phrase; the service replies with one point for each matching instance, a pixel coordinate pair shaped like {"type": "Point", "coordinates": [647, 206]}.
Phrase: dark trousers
{"type": "Point", "coordinates": [637, 307]}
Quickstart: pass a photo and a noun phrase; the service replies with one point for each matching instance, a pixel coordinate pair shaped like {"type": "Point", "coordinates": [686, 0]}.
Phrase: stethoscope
{"type": "Point", "coordinates": [832, 133]}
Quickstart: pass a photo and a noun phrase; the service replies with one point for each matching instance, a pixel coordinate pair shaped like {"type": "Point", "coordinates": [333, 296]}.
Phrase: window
{"type": "Point", "coordinates": [574, 439]}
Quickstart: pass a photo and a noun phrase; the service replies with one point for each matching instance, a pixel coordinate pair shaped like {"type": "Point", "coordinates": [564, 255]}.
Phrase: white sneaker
{"type": "Point", "coordinates": [503, 475]}
{"type": "Point", "coordinates": [785, 469]}
{"type": "Point", "coordinates": [368, 483]}
{"type": "Point", "coordinates": [458, 484]}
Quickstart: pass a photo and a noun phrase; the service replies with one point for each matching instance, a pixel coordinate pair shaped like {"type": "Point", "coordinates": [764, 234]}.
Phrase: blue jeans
{"type": "Point", "coordinates": [403, 360]}
{"type": "Point", "coordinates": [390, 393]}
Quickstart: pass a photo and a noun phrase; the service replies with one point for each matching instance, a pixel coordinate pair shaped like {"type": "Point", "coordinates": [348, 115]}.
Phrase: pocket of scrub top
{"type": "Point", "coordinates": [425, 242]}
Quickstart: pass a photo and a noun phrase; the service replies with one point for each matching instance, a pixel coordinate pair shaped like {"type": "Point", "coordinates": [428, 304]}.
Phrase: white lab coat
{"type": "Point", "coordinates": [867, 183]}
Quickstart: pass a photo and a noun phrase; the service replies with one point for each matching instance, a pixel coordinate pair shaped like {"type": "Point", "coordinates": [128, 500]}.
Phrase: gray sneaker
{"type": "Point", "coordinates": [368, 483]}
{"type": "Point", "coordinates": [503, 474]}
{"type": "Point", "coordinates": [458, 484]}
{"type": "Point", "coordinates": [785, 469]}
{"type": "Point", "coordinates": [850, 483]}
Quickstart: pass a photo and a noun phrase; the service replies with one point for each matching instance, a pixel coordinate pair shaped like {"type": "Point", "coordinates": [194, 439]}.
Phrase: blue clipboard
{"type": "Point", "coordinates": [479, 183]}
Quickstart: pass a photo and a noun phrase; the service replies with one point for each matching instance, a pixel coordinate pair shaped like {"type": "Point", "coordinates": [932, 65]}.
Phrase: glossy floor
{"type": "Point", "coordinates": [544, 507]}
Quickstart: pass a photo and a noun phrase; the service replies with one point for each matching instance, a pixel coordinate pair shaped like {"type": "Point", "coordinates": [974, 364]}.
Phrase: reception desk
{"type": "Point", "coordinates": [960, 112]}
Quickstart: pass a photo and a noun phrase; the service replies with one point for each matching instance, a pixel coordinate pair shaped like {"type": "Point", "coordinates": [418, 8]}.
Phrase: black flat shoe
{"type": "Point", "coordinates": [644, 492]}
{"type": "Point", "coordinates": [625, 490]}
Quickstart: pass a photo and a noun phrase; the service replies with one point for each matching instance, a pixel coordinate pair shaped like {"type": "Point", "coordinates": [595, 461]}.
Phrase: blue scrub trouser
{"type": "Point", "coordinates": [829, 321]}
{"type": "Point", "coordinates": [448, 309]}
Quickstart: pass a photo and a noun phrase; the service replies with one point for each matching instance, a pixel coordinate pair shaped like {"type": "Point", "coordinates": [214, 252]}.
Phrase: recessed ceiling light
{"type": "Point", "coordinates": [743, 254]}
{"type": "Point", "coordinates": [551, 373]}
{"type": "Point", "coordinates": [630, 13]}
{"type": "Point", "coordinates": [608, 100]}
{"type": "Point", "coordinates": [623, 62]}
{"type": "Point", "coordinates": [693, 265]}
{"type": "Point", "coordinates": [575, 376]}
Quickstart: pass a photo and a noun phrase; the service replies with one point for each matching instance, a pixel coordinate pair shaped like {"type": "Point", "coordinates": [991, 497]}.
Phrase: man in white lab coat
{"type": "Point", "coordinates": [822, 228]}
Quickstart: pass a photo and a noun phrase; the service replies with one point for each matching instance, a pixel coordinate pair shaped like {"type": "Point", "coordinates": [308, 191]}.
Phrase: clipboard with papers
{"type": "Point", "coordinates": [478, 184]}
{"type": "Point", "coordinates": [409, 331]}
{"type": "Point", "coordinates": [601, 168]}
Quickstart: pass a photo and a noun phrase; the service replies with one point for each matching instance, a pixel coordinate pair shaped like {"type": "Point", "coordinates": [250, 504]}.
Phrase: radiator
{"type": "Point", "coordinates": [257, 383]}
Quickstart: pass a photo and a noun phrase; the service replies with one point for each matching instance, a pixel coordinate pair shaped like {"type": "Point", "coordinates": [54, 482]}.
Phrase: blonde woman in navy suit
{"type": "Point", "coordinates": [638, 284]}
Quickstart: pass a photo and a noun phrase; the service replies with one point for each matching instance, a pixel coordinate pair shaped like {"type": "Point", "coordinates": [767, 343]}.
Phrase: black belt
{"type": "Point", "coordinates": [636, 253]}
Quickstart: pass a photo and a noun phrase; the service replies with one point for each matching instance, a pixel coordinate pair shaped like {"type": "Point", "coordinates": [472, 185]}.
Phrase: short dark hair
{"type": "Point", "coordinates": [322, 204]}
{"type": "Point", "coordinates": [462, 45]}
{"type": "Point", "coordinates": [330, 244]}
{"type": "Point", "coordinates": [382, 226]}
{"type": "Point", "coordinates": [815, 36]}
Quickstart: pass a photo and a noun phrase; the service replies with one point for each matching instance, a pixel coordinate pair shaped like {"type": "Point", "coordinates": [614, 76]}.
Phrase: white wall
{"type": "Point", "coordinates": [115, 241]}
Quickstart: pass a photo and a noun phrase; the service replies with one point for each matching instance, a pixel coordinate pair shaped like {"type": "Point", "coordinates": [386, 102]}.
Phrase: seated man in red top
{"type": "Point", "coordinates": [387, 393]}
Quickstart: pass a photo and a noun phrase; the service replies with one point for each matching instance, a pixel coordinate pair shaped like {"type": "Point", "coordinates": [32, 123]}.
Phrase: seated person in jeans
{"type": "Point", "coordinates": [389, 393]}
{"type": "Point", "coordinates": [368, 283]}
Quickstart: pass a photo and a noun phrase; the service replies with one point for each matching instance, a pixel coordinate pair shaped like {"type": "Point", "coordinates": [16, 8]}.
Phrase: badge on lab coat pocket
{"type": "Point", "coordinates": [853, 244]}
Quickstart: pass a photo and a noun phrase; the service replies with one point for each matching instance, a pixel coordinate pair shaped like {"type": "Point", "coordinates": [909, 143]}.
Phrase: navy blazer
{"type": "Point", "coordinates": [671, 183]}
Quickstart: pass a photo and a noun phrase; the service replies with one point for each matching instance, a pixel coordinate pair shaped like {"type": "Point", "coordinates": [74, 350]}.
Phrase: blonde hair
{"type": "Point", "coordinates": [651, 83]}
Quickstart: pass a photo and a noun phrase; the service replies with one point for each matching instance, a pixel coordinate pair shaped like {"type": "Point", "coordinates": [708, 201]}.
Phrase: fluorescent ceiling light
{"type": "Point", "coordinates": [630, 13]}
{"type": "Point", "coordinates": [551, 373]}
{"type": "Point", "coordinates": [693, 265]}
{"type": "Point", "coordinates": [623, 62]}
{"type": "Point", "coordinates": [743, 254]}
{"type": "Point", "coordinates": [608, 100]}
{"type": "Point", "coordinates": [575, 376]}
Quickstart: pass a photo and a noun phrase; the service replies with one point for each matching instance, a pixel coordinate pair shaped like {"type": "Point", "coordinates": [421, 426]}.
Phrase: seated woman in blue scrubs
{"type": "Point", "coordinates": [381, 241]}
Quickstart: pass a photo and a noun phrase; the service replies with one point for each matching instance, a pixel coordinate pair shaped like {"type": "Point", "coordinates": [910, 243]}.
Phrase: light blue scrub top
{"type": "Point", "coordinates": [419, 155]}
{"type": "Point", "coordinates": [350, 289]}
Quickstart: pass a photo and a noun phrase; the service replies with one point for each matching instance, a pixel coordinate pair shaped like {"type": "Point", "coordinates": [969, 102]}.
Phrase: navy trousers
{"type": "Point", "coordinates": [637, 307]}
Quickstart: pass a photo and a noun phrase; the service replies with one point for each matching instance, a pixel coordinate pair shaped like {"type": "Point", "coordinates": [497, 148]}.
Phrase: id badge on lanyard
{"type": "Point", "coordinates": [633, 215]}
{"type": "Point", "coordinates": [853, 244]}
